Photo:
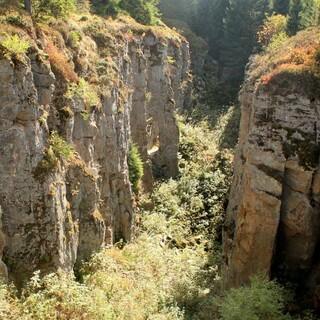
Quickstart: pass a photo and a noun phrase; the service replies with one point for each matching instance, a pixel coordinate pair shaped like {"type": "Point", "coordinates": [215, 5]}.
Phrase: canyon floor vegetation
{"type": "Point", "coordinates": [171, 270]}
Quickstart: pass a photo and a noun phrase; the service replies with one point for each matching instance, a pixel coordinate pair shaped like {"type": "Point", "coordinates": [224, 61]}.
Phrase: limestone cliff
{"type": "Point", "coordinates": [273, 215]}
{"type": "Point", "coordinates": [56, 214]}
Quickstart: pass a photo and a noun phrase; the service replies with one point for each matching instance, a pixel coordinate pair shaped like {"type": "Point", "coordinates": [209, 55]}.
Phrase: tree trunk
{"type": "Point", "coordinates": [28, 5]}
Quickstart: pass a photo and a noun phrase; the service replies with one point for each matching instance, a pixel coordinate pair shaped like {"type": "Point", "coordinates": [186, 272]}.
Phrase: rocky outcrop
{"type": "Point", "coordinates": [55, 216]}
{"type": "Point", "coordinates": [273, 217]}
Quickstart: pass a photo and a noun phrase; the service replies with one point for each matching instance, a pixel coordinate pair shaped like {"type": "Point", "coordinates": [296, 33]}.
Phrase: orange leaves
{"type": "Point", "coordinates": [60, 62]}
{"type": "Point", "coordinates": [296, 60]}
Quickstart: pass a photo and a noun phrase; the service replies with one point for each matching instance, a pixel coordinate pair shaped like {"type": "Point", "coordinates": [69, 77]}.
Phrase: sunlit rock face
{"type": "Point", "coordinates": [55, 218]}
{"type": "Point", "coordinates": [273, 217]}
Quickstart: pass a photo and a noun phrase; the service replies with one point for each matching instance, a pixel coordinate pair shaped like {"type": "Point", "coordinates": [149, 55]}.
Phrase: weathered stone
{"type": "Point", "coordinates": [273, 216]}
{"type": "Point", "coordinates": [54, 218]}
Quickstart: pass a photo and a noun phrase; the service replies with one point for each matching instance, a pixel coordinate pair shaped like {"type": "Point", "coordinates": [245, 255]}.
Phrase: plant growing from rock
{"type": "Point", "coordinates": [85, 91]}
{"type": "Point", "coordinates": [135, 165]}
{"type": "Point", "coordinates": [14, 46]}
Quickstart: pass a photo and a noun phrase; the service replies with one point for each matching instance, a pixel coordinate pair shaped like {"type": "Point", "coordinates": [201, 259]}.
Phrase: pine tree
{"type": "Point", "coordinates": [243, 18]}
{"type": "Point", "coordinates": [294, 17]}
{"type": "Point", "coordinates": [281, 6]}
{"type": "Point", "coordinates": [309, 14]}
{"type": "Point", "coordinates": [302, 14]}
{"type": "Point", "coordinates": [209, 24]}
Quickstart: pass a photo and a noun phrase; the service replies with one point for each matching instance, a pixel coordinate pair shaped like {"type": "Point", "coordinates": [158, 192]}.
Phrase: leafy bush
{"type": "Point", "coordinates": [277, 41]}
{"type": "Point", "coordinates": [59, 296]}
{"type": "Point", "coordinates": [109, 7]}
{"type": "Point", "coordinates": [74, 38]}
{"type": "Point", "coordinates": [261, 299]}
{"type": "Point", "coordinates": [273, 30]}
{"type": "Point", "coordinates": [57, 150]}
{"type": "Point", "coordinates": [85, 91]}
{"type": "Point", "coordinates": [144, 11]}
{"type": "Point", "coordinates": [135, 165]}
{"type": "Point", "coordinates": [60, 148]}
{"type": "Point", "coordinates": [195, 202]}
{"type": "Point", "coordinates": [44, 9]}
{"type": "Point", "coordinates": [17, 20]}
{"type": "Point", "coordinates": [14, 46]}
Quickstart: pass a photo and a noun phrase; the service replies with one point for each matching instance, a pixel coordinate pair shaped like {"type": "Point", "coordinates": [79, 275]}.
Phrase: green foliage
{"type": "Point", "coordinates": [194, 204]}
{"type": "Point", "coordinates": [107, 7]}
{"type": "Point", "coordinates": [261, 299]}
{"type": "Point", "coordinates": [44, 9]}
{"type": "Point", "coordinates": [59, 296]}
{"type": "Point", "coordinates": [277, 41]}
{"type": "Point", "coordinates": [74, 38]}
{"type": "Point", "coordinates": [281, 6]}
{"type": "Point", "coordinates": [241, 23]}
{"type": "Point", "coordinates": [144, 11]}
{"type": "Point", "coordinates": [294, 14]}
{"type": "Point", "coordinates": [83, 91]}
{"type": "Point", "coordinates": [303, 14]}
{"type": "Point", "coordinates": [58, 150]}
{"type": "Point", "coordinates": [16, 20]}
{"type": "Point", "coordinates": [273, 29]}
{"type": "Point", "coordinates": [135, 165]}
{"type": "Point", "coordinates": [14, 46]}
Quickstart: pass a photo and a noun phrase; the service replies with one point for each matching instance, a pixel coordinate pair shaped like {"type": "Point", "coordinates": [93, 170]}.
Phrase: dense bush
{"type": "Point", "coordinates": [84, 91]}
{"type": "Point", "coordinates": [43, 9]}
{"type": "Point", "coordinates": [14, 46]}
{"type": "Point", "coordinates": [107, 7]}
{"type": "Point", "coordinates": [261, 299]}
{"type": "Point", "coordinates": [195, 203]}
{"type": "Point", "coordinates": [135, 165]}
{"type": "Point", "coordinates": [144, 11]}
{"type": "Point", "coordinates": [273, 29]}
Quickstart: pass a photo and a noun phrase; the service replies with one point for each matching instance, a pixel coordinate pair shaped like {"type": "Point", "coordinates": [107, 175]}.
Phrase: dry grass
{"type": "Point", "coordinates": [291, 67]}
{"type": "Point", "coordinates": [60, 62]}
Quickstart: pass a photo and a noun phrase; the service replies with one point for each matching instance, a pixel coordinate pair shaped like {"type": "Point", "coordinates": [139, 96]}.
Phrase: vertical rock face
{"type": "Point", "coordinates": [53, 218]}
{"type": "Point", "coordinates": [273, 216]}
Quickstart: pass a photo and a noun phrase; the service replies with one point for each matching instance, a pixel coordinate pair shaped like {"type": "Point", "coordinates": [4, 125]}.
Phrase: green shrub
{"type": "Point", "coordinates": [14, 46]}
{"type": "Point", "coordinates": [135, 165]}
{"type": "Point", "coordinates": [60, 147]}
{"type": "Point", "coordinates": [74, 38]}
{"type": "Point", "coordinates": [85, 91]}
{"type": "Point", "coordinates": [57, 150]}
{"type": "Point", "coordinates": [17, 21]}
{"type": "Point", "coordinates": [274, 27]}
{"type": "Point", "coordinates": [44, 9]}
{"type": "Point", "coordinates": [59, 296]}
{"type": "Point", "coordinates": [277, 41]}
{"type": "Point", "coordinates": [261, 299]}
{"type": "Point", "coordinates": [144, 11]}
{"type": "Point", "coordinates": [109, 7]}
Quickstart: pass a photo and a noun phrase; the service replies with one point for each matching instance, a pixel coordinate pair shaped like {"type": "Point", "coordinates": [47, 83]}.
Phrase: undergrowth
{"type": "Point", "coordinates": [170, 271]}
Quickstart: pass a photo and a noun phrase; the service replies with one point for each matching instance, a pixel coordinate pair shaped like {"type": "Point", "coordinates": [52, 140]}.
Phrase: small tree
{"type": "Point", "coordinates": [135, 165]}
{"type": "Point", "coordinates": [107, 7]}
{"type": "Point", "coordinates": [144, 11]}
{"type": "Point", "coordinates": [52, 8]}
{"type": "Point", "coordinates": [273, 27]}
{"type": "Point", "coordinates": [261, 299]}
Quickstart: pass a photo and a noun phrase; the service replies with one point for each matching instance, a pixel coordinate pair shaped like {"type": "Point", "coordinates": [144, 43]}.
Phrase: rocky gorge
{"type": "Point", "coordinates": [55, 209]}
